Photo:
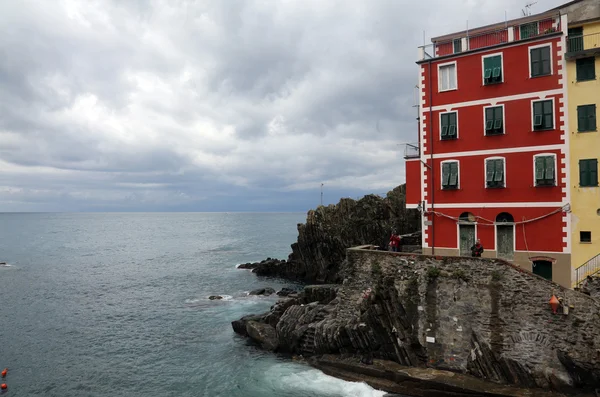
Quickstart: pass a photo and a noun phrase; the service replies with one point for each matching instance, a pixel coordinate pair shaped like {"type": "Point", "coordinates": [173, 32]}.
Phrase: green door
{"type": "Point", "coordinates": [543, 268]}
{"type": "Point", "coordinates": [505, 241]}
{"type": "Point", "coordinates": [467, 239]}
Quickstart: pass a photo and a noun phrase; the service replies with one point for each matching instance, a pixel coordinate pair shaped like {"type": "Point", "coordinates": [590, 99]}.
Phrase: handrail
{"type": "Point", "coordinates": [589, 268]}
{"type": "Point", "coordinates": [578, 43]}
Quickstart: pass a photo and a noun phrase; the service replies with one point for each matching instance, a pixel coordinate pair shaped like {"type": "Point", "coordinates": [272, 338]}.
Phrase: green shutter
{"type": "Point", "coordinates": [445, 174]}
{"type": "Point", "coordinates": [535, 62]}
{"type": "Point", "coordinates": [499, 172]}
{"type": "Point", "coordinates": [452, 131]}
{"type": "Point", "coordinates": [592, 118]}
{"type": "Point", "coordinates": [584, 176]}
{"type": "Point", "coordinates": [593, 171]}
{"type": "Point", "coordinates": [492, 69]}
{"type": "Point", "coordinates": [539, 168]}
{"type": "Point", "coordinates": [545, 56]}
{"type": "Point", "coordinates": [581, 119]}
{"type": "Point", "coordinates": [489, 171]}
{"type": "Point", "coordinates": [444, 125]}
{"type": "Point", "coordinates": [487, 73]}
{"type": "Point", "coordinates": [452, 124]}
{"type": "Point", "coordinates": [586, 69]}
{"type": "Point", "coordinates": [453, 174]}
{"type": "Point", "coordinates": [496, 73]}
{"type": "Point", "coordinates": [549, 168]}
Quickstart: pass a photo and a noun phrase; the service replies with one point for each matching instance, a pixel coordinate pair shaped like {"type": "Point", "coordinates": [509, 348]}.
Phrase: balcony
{"type": "Point", "coordinates": [579, 46]}
{"type": "Point", "coordinates": [490, 36]}
{"type": "Point", "coordinates": [411, 151]}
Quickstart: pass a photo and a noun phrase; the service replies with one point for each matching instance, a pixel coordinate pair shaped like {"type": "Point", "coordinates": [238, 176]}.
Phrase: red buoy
{"type": "Point", "coordinates": [554, 303]}
{"type": "Point", "coordinates": [4, 372]}
{"type": "Point", "coordinates": [4, 386]}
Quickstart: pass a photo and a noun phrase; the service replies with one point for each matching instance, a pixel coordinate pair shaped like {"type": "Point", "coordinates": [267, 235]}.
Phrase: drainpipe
{"type": "Point", "coordinates": [431, 170]}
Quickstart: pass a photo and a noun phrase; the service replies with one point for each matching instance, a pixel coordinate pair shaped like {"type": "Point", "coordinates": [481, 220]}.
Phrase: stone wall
{"type": "Point", "coordinates": [480, 316]}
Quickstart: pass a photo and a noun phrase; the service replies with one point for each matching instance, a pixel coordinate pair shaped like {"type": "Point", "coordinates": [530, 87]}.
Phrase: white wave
{"type": "Point", "coordinates": [5, 265]}
{"type": "Point", "coordinates": [295, 378]}
{"type": "Point", "coordinates": [188, 301]}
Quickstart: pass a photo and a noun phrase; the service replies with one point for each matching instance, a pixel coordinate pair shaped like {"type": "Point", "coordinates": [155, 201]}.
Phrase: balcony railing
{"type": "Point", "coordinates": [582, 44]}
{"type": "Point", "coordinates": [512, 31]}
{"type": "Point", "coordinates": [411, 151]}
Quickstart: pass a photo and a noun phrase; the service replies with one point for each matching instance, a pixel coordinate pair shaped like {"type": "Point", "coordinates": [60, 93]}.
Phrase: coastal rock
{"type": "Point", "coordinates": [319, 253]}
{"type": "Point", "coordinates": [264, 334]}
{"type": "Point", "coordinates": [476, 316]}
{"type": "Point", "coordinates": [215, 297]}
{"type": "Point", "coordinates": [285, 292]}
{"type": "Point", "coordinates": [262, 291]}
{"type": "Point", "coordinates": [239, 326]}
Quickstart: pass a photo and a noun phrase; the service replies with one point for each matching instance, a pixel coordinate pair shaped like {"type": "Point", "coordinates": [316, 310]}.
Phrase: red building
{"type": "Point", "coordinates": [492, 157]}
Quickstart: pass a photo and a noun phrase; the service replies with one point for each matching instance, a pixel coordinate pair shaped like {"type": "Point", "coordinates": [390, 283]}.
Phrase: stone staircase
{"type": "Point", "coordinates": [307, 346]}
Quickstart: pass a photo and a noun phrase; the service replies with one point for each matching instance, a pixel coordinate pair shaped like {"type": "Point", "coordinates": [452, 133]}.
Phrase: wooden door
{"type": "Point", "coordinates": [505, 241]}
{"type": "Point", "coordinates": [467, 239]}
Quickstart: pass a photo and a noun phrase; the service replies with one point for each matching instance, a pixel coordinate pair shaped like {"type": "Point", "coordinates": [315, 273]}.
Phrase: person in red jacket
{"type": "Point", "coordinates": [395, 242]}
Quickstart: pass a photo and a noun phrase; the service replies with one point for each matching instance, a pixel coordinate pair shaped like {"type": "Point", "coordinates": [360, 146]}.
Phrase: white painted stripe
{"type": "Point", "coordinates": [498, 151]}
{"type": "Point", "coordinates": [528, 204]}
{"type": "Point", "coordinates": [409, 160]}
{"type": "Point", "coordinates": [412, 206]}
{"type": "Point", "coordinates": [529, 95]}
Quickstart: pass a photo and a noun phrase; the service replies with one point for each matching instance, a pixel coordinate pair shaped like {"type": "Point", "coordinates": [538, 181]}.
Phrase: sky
{"type": "Point", "coordinates": [217, 105]}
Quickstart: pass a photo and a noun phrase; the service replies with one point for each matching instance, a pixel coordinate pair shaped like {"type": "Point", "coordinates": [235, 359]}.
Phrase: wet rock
{"type": "Point", "coordinates": [239, 326]}
{"type": "Point", "coordinates": [262, 291]}
{"type": "Point", "coordinates": [263, 334]}
{"type": "Point", "coordinates": [215, 297]}
{"type": "Point", "coordinates": [285, 292]}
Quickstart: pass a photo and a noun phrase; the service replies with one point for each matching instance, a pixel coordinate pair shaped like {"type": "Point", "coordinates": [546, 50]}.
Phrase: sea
{"type": "Point", "coordinates": [116, 304]}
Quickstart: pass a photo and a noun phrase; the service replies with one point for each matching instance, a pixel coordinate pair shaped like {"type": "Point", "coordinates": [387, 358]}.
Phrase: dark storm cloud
{"type": "Point", "coordinates": [211, 105]}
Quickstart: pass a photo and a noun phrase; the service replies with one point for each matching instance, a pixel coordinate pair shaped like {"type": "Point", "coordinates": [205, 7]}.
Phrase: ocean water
{"type": "Point", "coordinates": [116, 305]}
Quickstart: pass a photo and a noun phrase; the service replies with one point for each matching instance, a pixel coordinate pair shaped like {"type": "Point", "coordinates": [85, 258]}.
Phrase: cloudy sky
{"type": "Point", "coordinates": [215, 105]}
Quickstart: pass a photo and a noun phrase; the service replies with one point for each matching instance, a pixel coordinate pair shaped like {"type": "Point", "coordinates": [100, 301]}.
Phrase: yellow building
{"type": "Point", "coordinates": [582, 56]}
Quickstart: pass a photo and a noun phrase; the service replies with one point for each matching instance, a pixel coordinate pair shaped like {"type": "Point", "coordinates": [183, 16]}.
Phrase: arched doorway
{"type": "Point", "coordinates": [505, 236]}
{"type": "Point", "coordinates": [466, 233]}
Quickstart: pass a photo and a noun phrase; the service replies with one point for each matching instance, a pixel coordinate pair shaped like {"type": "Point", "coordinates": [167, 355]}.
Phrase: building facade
{"type": "Point", "coordinates": [492, 161]}
{"type": "Point", "coordinates": [583, 91]}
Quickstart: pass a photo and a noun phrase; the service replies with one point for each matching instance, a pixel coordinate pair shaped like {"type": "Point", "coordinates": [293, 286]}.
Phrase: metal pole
{"type": "Point", "coordinates": [321, 194]}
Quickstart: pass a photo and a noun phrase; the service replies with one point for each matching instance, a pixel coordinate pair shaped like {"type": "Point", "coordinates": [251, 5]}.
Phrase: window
{"type": "Point", "coordinates": [586, 69]}
{"type": "Point", "coordinates": [494, 121]}
{"type": "Point", "coordinates": [588, 172]}
{"type": "Point", "coordinates": [575, 39]}
{"type": "Point", "coordinates": [448, 125]}
{"type": "Point", "coordinates": [450, 175]}
{"type": "Point", "coordinates": [540, 61]}
{"type": "Point", "coordinates": [457, 45]}
{"type": "Point", "coordinates": [494, 173]}
{"type": "Point", "coordinates": [585, 237]}
{"type": "Point", "coordinates": [528, 30]}
{"type": "Point", "coordinates": [586, 118]}
{"type": "Point", "coordinates": [544, 171]}
{"type": "Point", "coordinates": [543, 115]}
{"type": "Point", "coordinates": [447, 77]}
{"type": "Point", "coordinates": [492, 69]}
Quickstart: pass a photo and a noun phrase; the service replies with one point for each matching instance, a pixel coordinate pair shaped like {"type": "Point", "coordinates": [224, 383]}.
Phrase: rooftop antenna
{"type": "Point", "coordinates": [527, 10]}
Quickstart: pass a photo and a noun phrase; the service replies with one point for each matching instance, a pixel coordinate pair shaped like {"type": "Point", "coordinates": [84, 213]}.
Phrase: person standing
{"type": "Point", "coordinates": [477, 249]}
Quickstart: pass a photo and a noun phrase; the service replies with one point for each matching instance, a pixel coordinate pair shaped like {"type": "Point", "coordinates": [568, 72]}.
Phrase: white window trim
{"type": "Point", "coordinates": [553, 113]}
{"type": "Point", "coordinates": [503, 119]}
{"type": "Point", "coordinates": [441, 174]}
{"type": "Point", "coordinates": [458, 232]}
{"type": "Point", "coordinates": [441, 65]}
{"type": "Point", "coordinates": [496, 224]}
{"type": "Point", "coordinates": [551, 59]}
{"type": "Point", "coordinates": [501, 65]}
{"type": "Point", "coordinates": [555, 168]}
{"type": "Point", "coordinates": [485, 160]}
{"type": "Point", "coordinates": [440, 124]}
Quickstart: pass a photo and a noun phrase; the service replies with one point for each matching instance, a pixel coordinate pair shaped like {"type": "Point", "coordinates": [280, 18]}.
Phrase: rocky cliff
{"type": "Point", "coordinates": [480, 317]}
{"type": "Point", "coordinates": [320, 252]}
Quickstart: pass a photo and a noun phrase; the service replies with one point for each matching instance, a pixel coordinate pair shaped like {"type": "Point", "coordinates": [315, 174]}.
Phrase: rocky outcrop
{"type": "Point", "coordinates": [319, 253]}
{"type": "Point", "coordinates": [262, 291]}
{"type": "Point", "coordinates": [481, 317]}
{"type": "Point", "coordinates": [591, 286]}
{"type": "Point", "coordinates": [215, 297]}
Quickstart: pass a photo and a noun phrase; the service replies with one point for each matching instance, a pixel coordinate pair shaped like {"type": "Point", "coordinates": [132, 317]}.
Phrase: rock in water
{"type": "Point", "coordinates": [285, 292]}
{"type": "Point", "coordinates": [263, 334]}
{"type": "Point", "coordinates": [215, 297]}
{"type": "Point", "coordinates": [262, 291]}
